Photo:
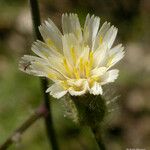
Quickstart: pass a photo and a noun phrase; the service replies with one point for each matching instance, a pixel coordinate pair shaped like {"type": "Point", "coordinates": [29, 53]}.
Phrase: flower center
{"type": "Point", "coordinates": [81, 68]}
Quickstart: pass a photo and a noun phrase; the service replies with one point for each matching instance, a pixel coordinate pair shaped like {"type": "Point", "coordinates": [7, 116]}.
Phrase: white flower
{"type": "Point", "coordinates": [77, 61]}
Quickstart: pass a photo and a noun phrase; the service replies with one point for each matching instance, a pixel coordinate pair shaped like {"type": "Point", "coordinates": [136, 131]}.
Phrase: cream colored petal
{"type": "Point", "coordinates": [51, 35]}
{"type": "Point", "coordinates": [110, 36]}
{"type": "Point", "coordinates": [51, 73]}
{"type": "Point", "coordinates": [116, 58]}
{"type": "Point", "coordinates": [25, 65]}
{"type": "Point", "coordinates": [90, 30]}
{"type": "Point", "coordinates": [84, 55]}
{"type": "Point", "coordinates": [75, 82]}
{"type": "Point", "coordinates": [51, 24]}
{"type": "Point", "coordinates": [50, 56]}
{"type": "Point", "coordinates": [77, 93]}
{"type": "Point", "coordinates": [100, 56]}
{"type": "Point", "coordinates": [78, 87]}
{"type": "Point", "coordinates": [58, 64]}
{"type": "Point", "coordinates": [42, 50]}
{"type": "Point", "coordinates": [98, 71]}
{"type": "Point", "coordinates": [35, 66]}
{"type": "Point", "coordinates": [71, 48]}
{"type": "Point", "coordinates": [100, 36]}
{"type": "Point", "coordinates": [56, 91]}
{"type": "Point", "coordinates": [71, 24]}
{"type": "Point", "coordinates": [104, 28]}
{"type": "Point", "coordinates": [115, 55]}
{"type": "Point", "coordinates": [96, 89]}
{"type": "Point", "coordinates": [116, 49]}
{"type": "Point", "coordinates": [110, 76]}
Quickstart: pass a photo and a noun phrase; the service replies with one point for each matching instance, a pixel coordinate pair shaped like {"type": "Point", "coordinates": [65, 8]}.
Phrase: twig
{"type": "Point", "coordinates": [41, 111]}
{"type": "Point", "coordinates": [48, 119]}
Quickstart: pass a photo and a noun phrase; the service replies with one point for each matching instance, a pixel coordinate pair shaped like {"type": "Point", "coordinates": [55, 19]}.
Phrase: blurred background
{"type": "Point", "coordinates": [20, 94]}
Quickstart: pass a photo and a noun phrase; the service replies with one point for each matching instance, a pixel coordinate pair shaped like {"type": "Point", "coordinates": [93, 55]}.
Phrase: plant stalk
{"type": "Point", "coordinates": [16, 136]}
{"type": "Point", "coordinates": [48, 118]}
{"type": "Point", "coordinates": [98, 138]}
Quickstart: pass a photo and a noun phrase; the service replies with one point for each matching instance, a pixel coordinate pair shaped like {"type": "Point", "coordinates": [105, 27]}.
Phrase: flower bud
{"type": "Point", "coordinates": [91, 109]}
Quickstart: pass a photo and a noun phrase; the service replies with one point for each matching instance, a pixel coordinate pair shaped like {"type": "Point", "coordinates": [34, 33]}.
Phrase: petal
{"type": "Point", "coordinates": [78, 88]}
{"type": "Point", "coordinates": [25, 65]}
{"type": "Point", "coordinates": [51, 24]}
{"type": "Point", "coordinates": [84, 56]}
{"type": "Point", "coordinates": [71, 24]}
{"type": "Point", "coordinates": [56, 91]}
{"type": "Point", "coordinates": [50, 56]}
{"type": "Point", "coordinates": [96, 89]}
{"type": "Point", "coordinates": [100, 36]}
{"type": "Point", "coordinates": [76, 93]}
{"type": "Point", "coordinates": [51, 35]}
{"type": "Point", "coordinates": [110, 76]}
{"type": "Point", "coordinates": [115, 55]}
{"type": "Point", "coordinates": [98, 71]}
{"type": "Point", "coordinates": [39, 67]}
{"type": "Point", "coordinates": [71, 48]}
{"type": "Point", "coordinates": [100, 56]}
{"type": "Point", "coordinates": [110, 36]}
{"type": "Point", "coordinates": [42, 50]}
{"type": "Point", "coordinates": [90, 30]}
{"type": "Point", "coordinates": [116, 49]}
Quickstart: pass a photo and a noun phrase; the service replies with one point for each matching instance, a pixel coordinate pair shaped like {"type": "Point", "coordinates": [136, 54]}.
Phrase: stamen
{"type": "Point", "coordinates": [67, 67]}
{"type": "Point", "coordinates": [93, 79]}
{"type": "Point", "coordinates": [110, 60]}
{"type": "Point", "coordinates": [100, 39]}
{"type": "Point", "coordinates": [78, 33]}
{"type": "Point", "coordinates": [49, 42]}
{"type": "Point", "coordinates": [76, 73]}
{"type": "Point", "coordinates": [52, 76]}
{"type": "Point", "coordinates": [87, 69]}
{"type": "Point", "coordinates": [73, 54]}
{"type": "Point", "coordinates": [96, 78]}
{"type": "Point", "coordinates": [76, 88]}
{"type": "Point", "coordinates": [81, 65]}
{"type": "Point", "coordinates": [64, 85]}
{"type": "Point", "coordinates": [91, 59]}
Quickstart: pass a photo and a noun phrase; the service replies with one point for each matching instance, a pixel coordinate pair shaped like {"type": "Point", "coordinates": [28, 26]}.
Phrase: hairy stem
{"type": "Point", "coordinates": [91, 112]}
{"type": "Point", "coordinates": [41, 111]}
{"type": "Point", "coordinates": [48, 119]}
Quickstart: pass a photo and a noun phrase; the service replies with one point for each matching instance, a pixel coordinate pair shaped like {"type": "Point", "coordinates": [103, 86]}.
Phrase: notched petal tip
{"type": "Point", "coordinates": [56, 91]}
{"type": "Point", "coordinates": [96, 89]}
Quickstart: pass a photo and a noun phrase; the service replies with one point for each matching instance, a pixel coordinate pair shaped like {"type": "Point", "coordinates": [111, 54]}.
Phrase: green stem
{"type": "Point", "coordinates": [91, 112]}
{"type": "Point", "coordinates": [98, 138]}
{"type": "Point", "coordinates": [48, 118]}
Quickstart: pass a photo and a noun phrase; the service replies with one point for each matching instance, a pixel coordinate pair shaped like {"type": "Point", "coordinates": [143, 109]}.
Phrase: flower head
{"type": "Point", "coordinates": [78, 61]}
